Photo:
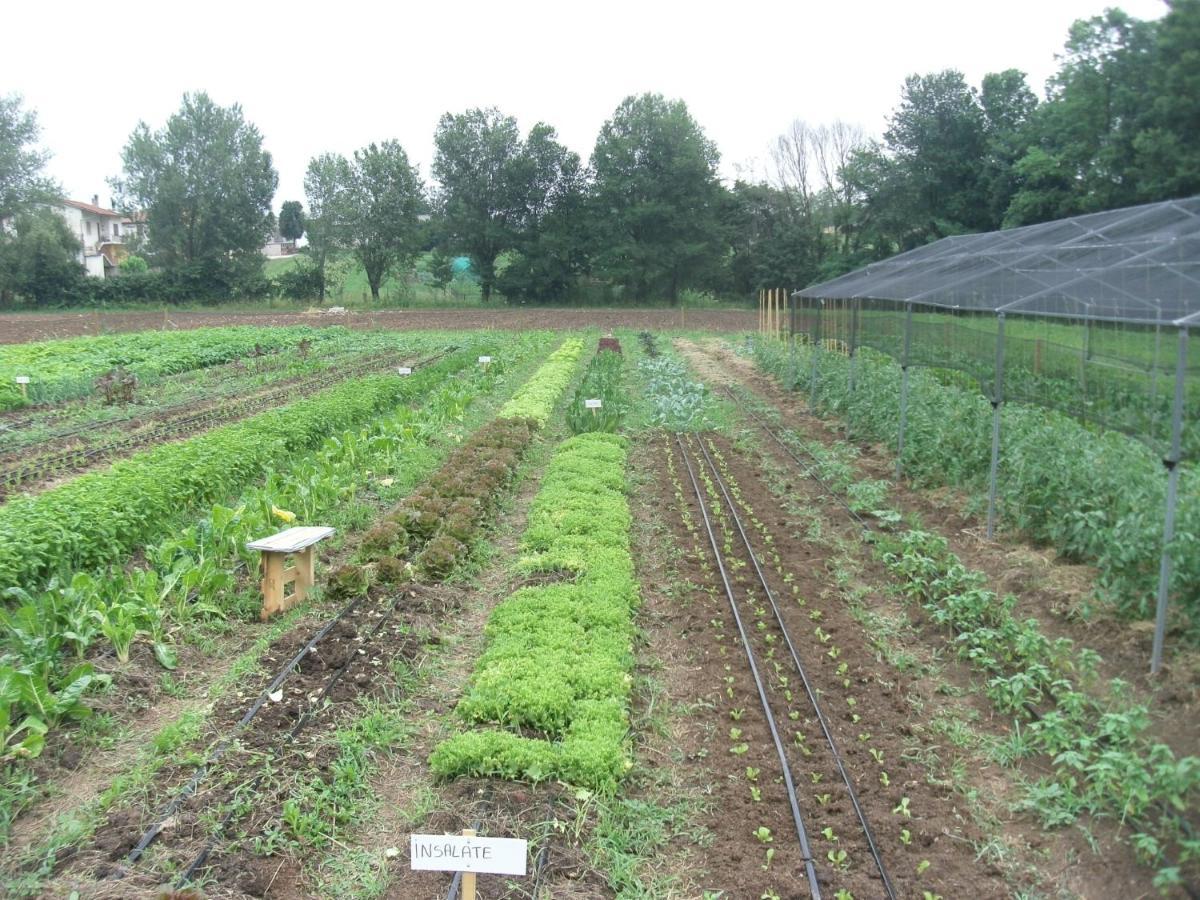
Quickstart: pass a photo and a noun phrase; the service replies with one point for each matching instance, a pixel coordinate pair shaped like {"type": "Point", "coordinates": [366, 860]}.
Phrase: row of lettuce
{"type": "Point", "coordinates": [64, 369]}
{"type": "Point", "coordinates": [553, 686]}
{"type": "Point", "coordinates": [1097, 497]}
{"type": "Point", "coordinates": [189, 564]}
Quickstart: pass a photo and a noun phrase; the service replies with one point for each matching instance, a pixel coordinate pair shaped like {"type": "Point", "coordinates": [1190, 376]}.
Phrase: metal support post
{"type": "Point", "coordinates": [792, 337]}
{"type": "Point", "coordinates": [904, 390]}
{"type": "Point", "coordinates": [997, 402]}
{"type": "Point", "coordinates": [815, 350]}
{"type": "Point", "coordinates": [854, 342]}
{"type": "Point", "coordinates": [1172, 463]}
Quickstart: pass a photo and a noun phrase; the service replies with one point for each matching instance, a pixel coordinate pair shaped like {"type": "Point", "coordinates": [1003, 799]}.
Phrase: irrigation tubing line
{"type": "Point", "coordinates": [808, 689]}
{"type": "Point", "coordinates": [808, 471]}
{"type": "Point", "coordinates": [202, 772]}
{"type": "Point", "coordinates": [309, 714]}
{"type": "Point", "coordinates": [789, 784]}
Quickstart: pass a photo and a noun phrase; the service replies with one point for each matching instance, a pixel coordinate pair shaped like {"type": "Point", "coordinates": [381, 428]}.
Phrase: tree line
{"type": "Point", "coordinates": [647, 217]}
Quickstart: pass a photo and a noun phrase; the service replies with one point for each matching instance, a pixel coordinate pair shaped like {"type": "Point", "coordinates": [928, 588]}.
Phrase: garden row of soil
{"type": "Point", "coordinates": [19, 328]}
{"type": "Point", "coordinates": [323, 679]}
{"type": "Point", "coordinates": [30, 470]}
{"type": "Point", "coordinates": [1110, 870]}
{"type": "Point", "coordinates": [1049, 589]}
{"type": "Point", "coordinates": [220, 375]}
{"type": "Point", "coordinates": [936, 830]}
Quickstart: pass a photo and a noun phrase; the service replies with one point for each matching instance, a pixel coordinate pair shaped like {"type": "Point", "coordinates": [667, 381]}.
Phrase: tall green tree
{"type": "Point", "coordinates": [657, 203]}
{"type": "Point", "coordinates": [493, 186]}
{"type": "Point", "coordinates": [378, 209]}
{"type": "Point", "coordinates": [291, 220]}
{"type": "Point", "coordinates": [325, 182]}
{"type": "Point", "coordinates": [205, 182]}
{"type": "Point", "coordinates": [938, 140]}
{"type": "Point", "coordinates": [37, 251]}
{"type": "Point", "coordinates": [1167, 147]}
{"type": "Point", "coordinates": [23, 182]}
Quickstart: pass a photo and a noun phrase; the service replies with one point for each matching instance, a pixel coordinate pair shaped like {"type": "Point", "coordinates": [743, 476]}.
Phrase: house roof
{"type": "Point", "coordinates": [94, 210]}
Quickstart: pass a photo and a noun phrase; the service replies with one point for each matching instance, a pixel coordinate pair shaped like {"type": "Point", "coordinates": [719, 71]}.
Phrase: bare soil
{"type": "Point", "coordinates": [19, 328]}
{"type": "Point", "coordinates": [938, 830]}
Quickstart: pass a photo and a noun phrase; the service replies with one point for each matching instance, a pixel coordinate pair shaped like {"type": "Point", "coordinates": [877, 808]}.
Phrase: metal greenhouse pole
{"type": "Point", "coordinates": [997, 402]}
{"type": "Point", "coordinates": [816, 349]}
{"type": "Point", "coordinates": [854, 341]}
{"type": "Point", "coordinates": [904, 389]}
{"type": "Point", "coordinates": [1172, 463]}
{"type": "Point", "coordinates": [792, 336]}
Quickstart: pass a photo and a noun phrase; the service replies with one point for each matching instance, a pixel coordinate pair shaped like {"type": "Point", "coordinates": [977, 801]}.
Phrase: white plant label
{"type": "Point", "coordinates": [404, 370]}
{"type": "Point", "coordinates": [485, 359]}
{"type": "Point", "coordinates": [22, 379]}
{"type": "Point", "coordinates": [455, 853]}
{"type": "Point", "coordinates": [592, 404]}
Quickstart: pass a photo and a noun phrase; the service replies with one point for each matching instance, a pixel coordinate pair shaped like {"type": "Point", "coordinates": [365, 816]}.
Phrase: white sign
{"type": "Point", "coordinates": [592, 404]}
{"type": "Point", "coordinates": [485, 359]}
{"type": "Point", "coordinates": [404, 370]}
{"type": "Point", "coordinates": [455, 853]}
{"type": "Point", "coordinates": [22, 379]}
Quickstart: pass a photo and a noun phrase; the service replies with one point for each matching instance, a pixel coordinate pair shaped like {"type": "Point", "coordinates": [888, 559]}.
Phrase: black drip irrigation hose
{"type": "Point", "coordinates": [808, 689]}
{"type": "Point", "coordinates": [789, 784]}
{"type": "Point", "coordinates": [202, 772]}
{"type": "Point", "coordinates": [808, 471]}
{"type": "Point", "coordinates": [309, 714]}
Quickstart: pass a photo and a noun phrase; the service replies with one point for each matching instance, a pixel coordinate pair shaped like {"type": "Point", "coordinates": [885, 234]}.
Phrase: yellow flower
{"type": "Point", "coordinates": [283, 515]}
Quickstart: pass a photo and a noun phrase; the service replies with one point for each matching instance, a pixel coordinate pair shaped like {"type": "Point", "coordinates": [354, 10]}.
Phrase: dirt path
{"type": "Point", "coordinates": [19, 328]}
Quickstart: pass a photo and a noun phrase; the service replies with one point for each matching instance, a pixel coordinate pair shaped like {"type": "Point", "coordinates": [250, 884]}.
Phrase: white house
{"type": "Point", "coordinates": [277, 245]}
{"type": "Point", "coordinates": [99, 233]}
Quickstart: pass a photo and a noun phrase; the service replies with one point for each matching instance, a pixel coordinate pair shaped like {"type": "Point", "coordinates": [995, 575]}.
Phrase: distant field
{"type": "Point", "coordinates": [18, 328]}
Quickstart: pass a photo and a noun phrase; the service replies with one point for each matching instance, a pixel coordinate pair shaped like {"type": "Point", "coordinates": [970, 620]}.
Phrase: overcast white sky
{"type": "Point", "coordinates": [333, 76]}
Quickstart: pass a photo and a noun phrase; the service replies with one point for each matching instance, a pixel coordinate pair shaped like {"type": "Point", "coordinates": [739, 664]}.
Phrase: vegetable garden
{"type": "Point", "coordinates": [653, 602]}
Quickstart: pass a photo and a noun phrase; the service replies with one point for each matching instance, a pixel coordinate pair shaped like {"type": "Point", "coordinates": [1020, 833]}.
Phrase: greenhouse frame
{"type": "Point", "coordinates": [1090, 315]}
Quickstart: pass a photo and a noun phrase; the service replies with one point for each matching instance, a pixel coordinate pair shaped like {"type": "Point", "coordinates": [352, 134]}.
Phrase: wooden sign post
{"type": "Point", "coordinates": [593, 405]}
{"type": "Point", "coordinates": [469, 855]}
{"type": "Point", "coordinates": [23, 383]}
{"type": "Point", "coordinates": [485, 361]}
{"type": "Point", "coordinates": [404, 370]}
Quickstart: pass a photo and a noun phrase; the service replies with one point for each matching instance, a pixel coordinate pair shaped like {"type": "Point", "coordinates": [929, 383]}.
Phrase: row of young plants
{"type": "Point", "coordinates": [97, 519]}
{"type": "Point", "coordinates": [63, 369]}
{"type": "Point", "coordinates": [99, 415]}
{"type": "Point", "coordinates": [554, 681]}
{"type": "Point", "coordinates": [537, 397]}
{"type": "Point", "coordinates": [372, 468]}
{"type": "Point", "coordinates": [602, 381]}
{"type": "Point", "coordinates": [1097, 497]}
{"type": "Point", "coordinates": [1104, 764]}
{"type": "Point", "coordinates": [191, 574]}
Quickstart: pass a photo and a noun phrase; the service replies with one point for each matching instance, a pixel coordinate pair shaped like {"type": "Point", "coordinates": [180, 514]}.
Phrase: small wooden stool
{"type": "Point", "coordinates": [297, 542]}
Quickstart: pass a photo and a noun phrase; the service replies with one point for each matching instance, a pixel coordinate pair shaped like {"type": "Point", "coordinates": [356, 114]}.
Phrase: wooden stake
{"type": "Point", "coordinates": [468, 879]}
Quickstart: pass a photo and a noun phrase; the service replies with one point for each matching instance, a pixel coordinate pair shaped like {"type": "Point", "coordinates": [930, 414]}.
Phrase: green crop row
{"type": "Point", "coordinates": [559, 656]}
{"type": "Point", "coordinates": [44, 636]}
{"type": "Point", "coordinates": [436, 525]}
{"type": "Point", "coordinates": [63, 369]}
{"type": "Point", "coordinates": [1097, 497]}
{"type": "Point", "coordinates": [537, 398]}
{"type": "Point", "coordinates": [1104, 765]}
{"type": "Point", "coordinates": [98, 519]}
{"type": "Point", "coordinates": [601, 381]}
